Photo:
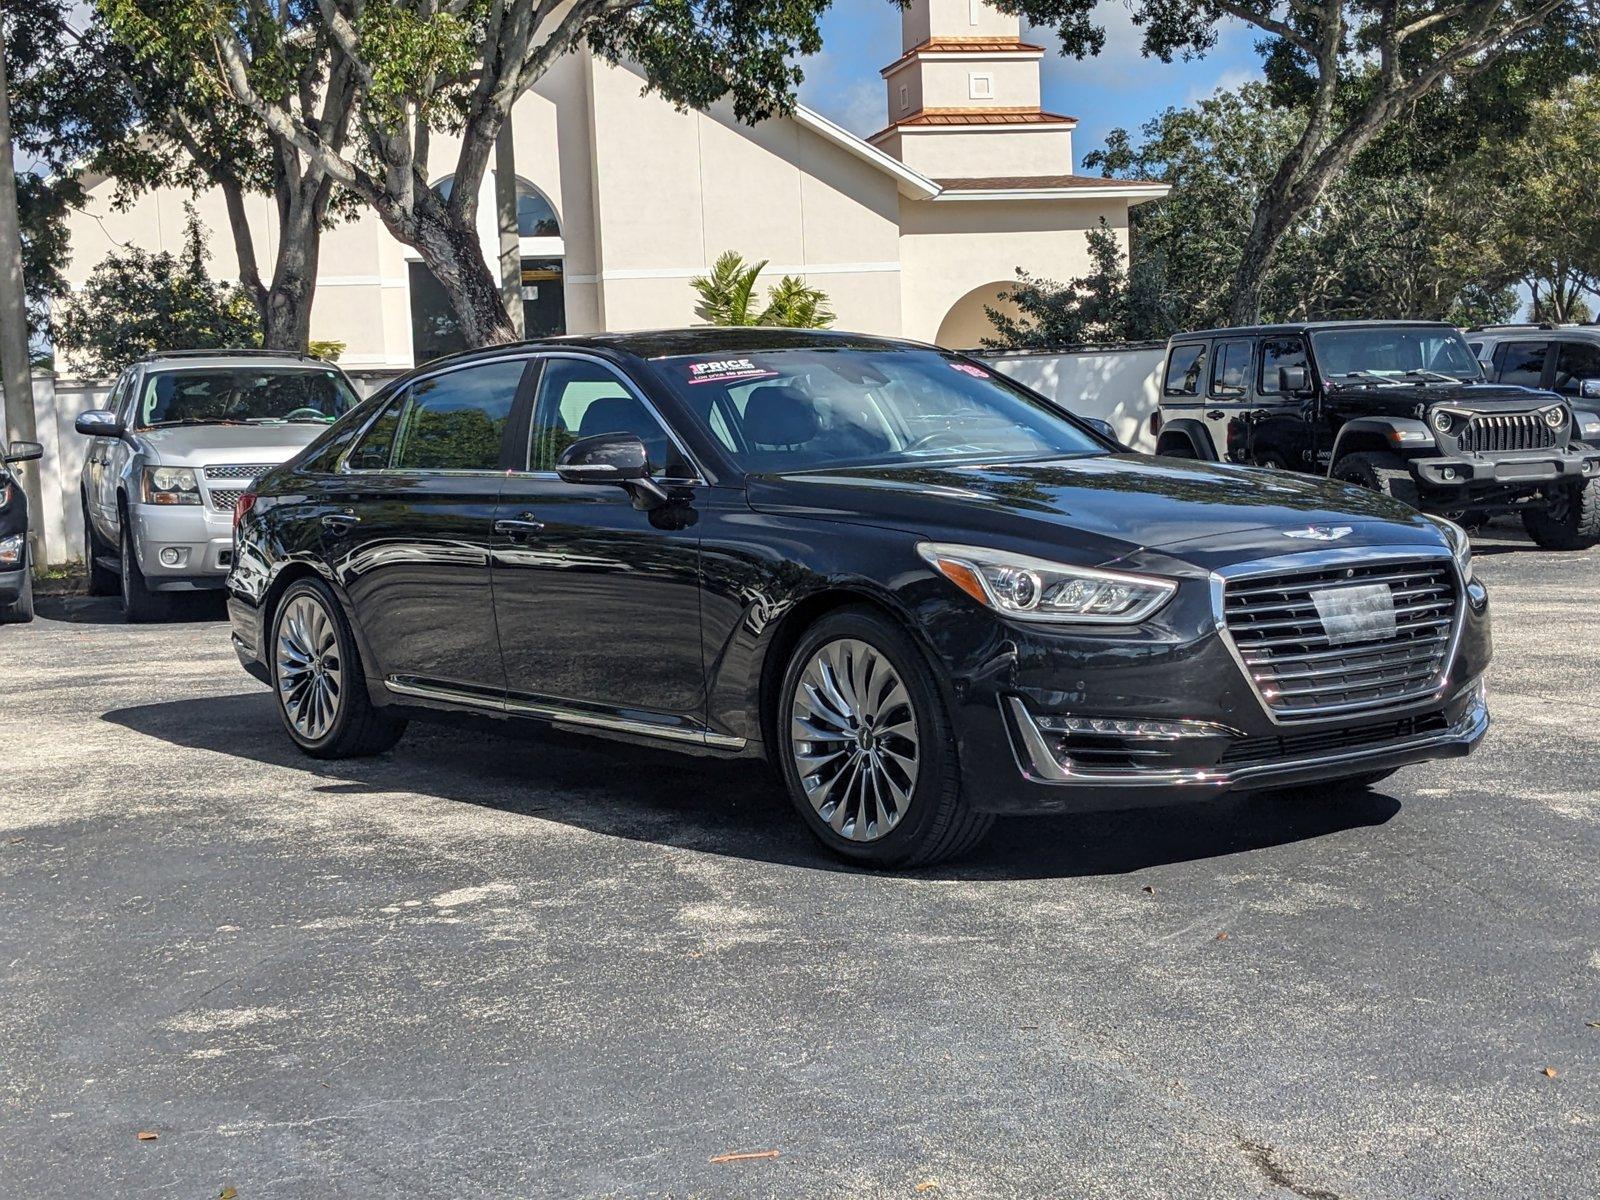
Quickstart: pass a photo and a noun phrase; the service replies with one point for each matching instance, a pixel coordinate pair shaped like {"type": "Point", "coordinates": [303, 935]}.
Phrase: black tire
{"type": "Point", "coordinates": [20, 610]}
{"type": "Point", "coordinates": [140, 606]}
{"type": "Point", "coordinates": [357, 728]}
{"type": "Point", "coordinates": [1379, 471]}
{"type": "Point", "coordinates": [102, 581]}
{"type": "Point", "coordinates": [1569, 521]}
{"type": "Point", "coordinates": [936, 823]}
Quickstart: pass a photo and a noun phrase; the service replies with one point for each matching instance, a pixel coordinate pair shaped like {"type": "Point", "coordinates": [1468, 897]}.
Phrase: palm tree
{"type": "Point", "coordinates": [727, 297]}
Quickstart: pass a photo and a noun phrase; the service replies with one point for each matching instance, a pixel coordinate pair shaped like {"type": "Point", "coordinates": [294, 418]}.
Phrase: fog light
{"type": "Point", "coordinates": [171, 556]}
{"type": "Point", "coordinates": [1449, 472]}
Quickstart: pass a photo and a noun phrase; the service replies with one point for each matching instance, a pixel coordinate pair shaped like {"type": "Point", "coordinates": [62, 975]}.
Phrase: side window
{"type": "Point", "coordinates": [1522, 363]}
{"type": "Point", "coordinates": [1576, 362]}
{"type": "Point", "coordinates": [1276, 353]}
{"type": "Point", "coordinates": [457, 421]}
{"type": "Point", "coordinates": [1230, 374]}
{"type": "Point", "coordinates": [1186, 370]}
{"type": "Point", "coordinates": [578, 399]}
{"type": "Point", "coordinates": [376, 447]}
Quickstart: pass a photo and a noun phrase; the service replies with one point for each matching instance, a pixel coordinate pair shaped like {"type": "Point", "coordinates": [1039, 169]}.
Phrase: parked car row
{"type": "Point", "coordinates": [922, 592]}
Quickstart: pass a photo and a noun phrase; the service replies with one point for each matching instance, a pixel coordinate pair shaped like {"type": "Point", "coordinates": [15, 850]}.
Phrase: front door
{"type": "Point", "coordinates": [1285, 432]}
{"type": "Point", "coordinates": [598, 603]}
{"type": "Point", "coordinates": [407, 526]}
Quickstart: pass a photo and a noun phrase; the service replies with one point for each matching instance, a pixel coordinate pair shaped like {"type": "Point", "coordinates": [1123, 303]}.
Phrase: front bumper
{"type": "Point", "coordinates": [195, 541]}
{"type": "Point", "coordinates": [11, 583]}
{"type": "Point", "coordinates": [1509, 469]}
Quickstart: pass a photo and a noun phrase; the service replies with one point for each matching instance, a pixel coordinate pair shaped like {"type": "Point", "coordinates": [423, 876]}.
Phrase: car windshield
{"type": "Point", "coordinates": [243, 395]}
{"type": "Point", "coordinates": [798, 410]}
{"type": "Point", "coordinates": [1394, 354]}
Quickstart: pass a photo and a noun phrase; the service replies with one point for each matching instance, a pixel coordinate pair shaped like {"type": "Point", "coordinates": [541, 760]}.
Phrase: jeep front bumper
{"type": "Point", "coordinates": [1509, 469]}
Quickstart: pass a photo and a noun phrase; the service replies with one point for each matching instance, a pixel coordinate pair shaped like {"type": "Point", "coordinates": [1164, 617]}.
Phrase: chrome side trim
{"type": "Point", "coordinates": [1038, 764]}
{"type": "Point", "coordinates": [1322, 559]}
{"type": "Point", "coordinates": [563, 717]}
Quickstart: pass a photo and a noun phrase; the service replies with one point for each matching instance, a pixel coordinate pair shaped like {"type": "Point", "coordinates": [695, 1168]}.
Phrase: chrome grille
{"type": "Point", "coordinates": [1513, 431]}
{"type": "Point", "coordinates": [1300, 672]}
{"type": "Point", "coordinates": [225, 498]}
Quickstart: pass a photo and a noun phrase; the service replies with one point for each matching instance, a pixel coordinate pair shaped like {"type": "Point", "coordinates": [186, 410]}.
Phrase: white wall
{"type": "Point", "coordinates": [56, 405]}
{"type": "Point", "coordinates": [1119, 386]}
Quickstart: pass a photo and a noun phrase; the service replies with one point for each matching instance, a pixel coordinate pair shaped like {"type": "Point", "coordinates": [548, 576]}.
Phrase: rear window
{"type": "Point", "coordinates": [1186, 369]}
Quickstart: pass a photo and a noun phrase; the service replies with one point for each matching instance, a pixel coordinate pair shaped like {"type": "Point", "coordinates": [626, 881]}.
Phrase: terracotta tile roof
{"type": "Point", "coordinates": [976, 116]}
{"type": "Point", "coordinates": [1013, 183]}
{"type": "Point", "coordinates": [959, 45]}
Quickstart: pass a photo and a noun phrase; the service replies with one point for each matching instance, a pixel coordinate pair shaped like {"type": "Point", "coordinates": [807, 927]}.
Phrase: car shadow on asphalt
{"type": "Point", "coordinates": [730, 807]}
{"type": "Point", "coordinates": [187, 608]}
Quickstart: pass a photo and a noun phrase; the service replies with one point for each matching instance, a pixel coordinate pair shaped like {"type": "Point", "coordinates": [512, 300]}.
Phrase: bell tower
{"type": "Point", "coordinates": [964, 97]}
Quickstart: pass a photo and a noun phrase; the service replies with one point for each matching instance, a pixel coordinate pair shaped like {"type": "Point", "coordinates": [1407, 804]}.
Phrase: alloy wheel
{"type": "Point", "coordinates": [310, 675]}
{"type": "Point", "coordinates": [853, 738]}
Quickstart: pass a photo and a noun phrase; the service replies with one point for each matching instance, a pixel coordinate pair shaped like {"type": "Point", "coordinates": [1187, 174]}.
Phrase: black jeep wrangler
{"type": "Point", "coordinates": [1398, 406]}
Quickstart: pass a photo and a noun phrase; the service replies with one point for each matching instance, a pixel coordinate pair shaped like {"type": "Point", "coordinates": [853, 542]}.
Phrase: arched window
{"type": "Point", "coordinates": [536, 216]}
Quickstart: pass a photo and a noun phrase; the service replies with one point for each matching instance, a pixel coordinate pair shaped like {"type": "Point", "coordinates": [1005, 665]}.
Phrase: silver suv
{"type": "Point", "coordinates": [1564, 359]}
{"type": "Point", "coordinates": [183, 436]}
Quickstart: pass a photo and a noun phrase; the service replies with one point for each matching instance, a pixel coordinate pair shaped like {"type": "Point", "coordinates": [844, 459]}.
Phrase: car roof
{"type": "Point", "coordinates": [1302, 327]}
{"type": "Point", "coordinates": [708, 339]}
{"type": "Point", "coordinates": [165, 359]}
{"type": "Point", "coordinates": [1535, 331]}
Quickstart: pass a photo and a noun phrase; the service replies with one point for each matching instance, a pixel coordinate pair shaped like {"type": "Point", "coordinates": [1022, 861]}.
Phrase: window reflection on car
{"type": "Point", "coordinates": [222, 396]}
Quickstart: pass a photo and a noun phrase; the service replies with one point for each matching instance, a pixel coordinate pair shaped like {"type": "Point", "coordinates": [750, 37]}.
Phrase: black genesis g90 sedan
{"type": "Point", "coordinates": [921, 591]}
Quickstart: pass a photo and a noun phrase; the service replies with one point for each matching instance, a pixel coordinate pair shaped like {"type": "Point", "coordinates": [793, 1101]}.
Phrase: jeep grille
{"type": "Point", "coordinates": [1299, 672]}
{"type": "Point", "coordinates": [1514, 431]}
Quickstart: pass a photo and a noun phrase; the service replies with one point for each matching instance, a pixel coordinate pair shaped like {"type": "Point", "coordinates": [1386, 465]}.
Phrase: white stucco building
{"type": "Point", "coordinates": [624, 199]}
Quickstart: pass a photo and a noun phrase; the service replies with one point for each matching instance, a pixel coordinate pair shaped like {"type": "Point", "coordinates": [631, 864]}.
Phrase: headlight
{"type": "Point", "coordinates": [1442, 421]}
{"type": "Point", "coordinates": [1555, 417]}
{"type": "Point", "coordinates": [1460, 545]}
{"type": "Point", "coordinates": [11, 549]}
{"type": "Point", "coordinates": [1035, 589]}
{"type": "Point", "coordinates": [170, 485]}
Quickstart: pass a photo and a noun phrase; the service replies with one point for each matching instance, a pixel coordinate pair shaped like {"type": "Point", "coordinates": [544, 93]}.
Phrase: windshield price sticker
{"type": "Point", "coordinates": [727, 370]}
{"type": "Point", "coordinates": [969, 369]}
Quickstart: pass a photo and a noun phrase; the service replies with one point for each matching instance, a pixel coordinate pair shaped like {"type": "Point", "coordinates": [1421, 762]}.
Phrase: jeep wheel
{"type": "Point", "coordinates": [1570, 518]}
{"type": "Point", "coordinates": [1379, 471]}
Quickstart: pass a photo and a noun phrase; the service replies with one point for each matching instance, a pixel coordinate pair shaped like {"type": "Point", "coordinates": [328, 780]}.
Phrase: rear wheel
{"type": "Point", "coordinates": [140, 605]}
{"type": "Point", "coordinates": [102, 580]}
{"type": "Point", "coordinates": [20, 610]}
{"type": "Point", "coordinates": [1379, 471]}
{"type": "Point", "coordinates": [865, 746]}
{"type": "Point", "coordinates": [319, 682]}
{"type": "Point", "coordinates": [1570, 519]}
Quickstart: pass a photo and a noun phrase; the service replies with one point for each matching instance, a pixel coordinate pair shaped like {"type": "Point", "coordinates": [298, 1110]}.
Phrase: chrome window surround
{"type": "Point", "coordinates": [1328, 559]}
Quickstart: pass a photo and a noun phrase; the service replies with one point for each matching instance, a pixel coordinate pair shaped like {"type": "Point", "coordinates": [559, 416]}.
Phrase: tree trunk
{"type": "Point", "coordinates": [286, 305]}
{"type": "Point", "coordinates": [449, 246]}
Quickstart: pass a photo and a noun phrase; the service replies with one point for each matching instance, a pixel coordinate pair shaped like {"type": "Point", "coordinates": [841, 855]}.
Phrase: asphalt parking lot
{"type": "Point", "coordinates": [501, 963]}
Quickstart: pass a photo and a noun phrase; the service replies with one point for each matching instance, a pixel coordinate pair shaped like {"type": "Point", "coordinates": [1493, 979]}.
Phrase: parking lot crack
{"type": "Point", "coordinates": [1265, 1160]}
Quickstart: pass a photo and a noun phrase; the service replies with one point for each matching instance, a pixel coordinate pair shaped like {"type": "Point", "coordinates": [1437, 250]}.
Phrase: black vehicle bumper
{"type": "Point", "coordinates": [11, 582]}
{"type": "Point", "coordinates": [1185, 721]}
{"type": "Point", "coordinates": [1511, 469]}
{"type": "Point", "coordinates": [246, 621]}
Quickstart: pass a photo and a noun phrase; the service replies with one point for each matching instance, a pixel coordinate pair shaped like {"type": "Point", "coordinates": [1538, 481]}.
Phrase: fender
{"type": "Point", "coordinates": [1398, 434]}
{"type": "Point", "coordinates": [1197, 433]}
{"type": "Point", "coordinates": [1586, 426]}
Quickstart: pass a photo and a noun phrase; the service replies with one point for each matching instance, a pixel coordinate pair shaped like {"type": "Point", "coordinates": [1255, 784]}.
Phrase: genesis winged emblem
{"type": "Point", "coordinates": [1320, 533]}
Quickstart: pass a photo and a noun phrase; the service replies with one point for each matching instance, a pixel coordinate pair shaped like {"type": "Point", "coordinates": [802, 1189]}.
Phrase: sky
{"type": "Point", "coordinates": [1118, 89]}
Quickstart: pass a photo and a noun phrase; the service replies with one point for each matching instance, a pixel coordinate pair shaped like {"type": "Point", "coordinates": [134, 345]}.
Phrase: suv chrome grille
{"type": "Point", "coordinates": [1513, 431]}
{"type": "Point", "coordinates": [226, 498]}
{"type": "Point", "coordinates": [1299, 671]}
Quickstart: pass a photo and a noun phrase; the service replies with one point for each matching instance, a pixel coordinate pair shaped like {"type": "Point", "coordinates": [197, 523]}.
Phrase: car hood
{"type": "Point", "coordinates": [1490, 396]}
{"type": "Point", "coordinates": [200, 445]}
{"type": "Point", "coordinates": [1104, 508]}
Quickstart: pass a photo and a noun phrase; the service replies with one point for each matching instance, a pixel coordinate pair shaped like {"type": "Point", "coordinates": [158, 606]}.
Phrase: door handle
{"type": "Point", "coordinates": [1216, 414]}
{"type": "Point", "coordinates": [524, 526]}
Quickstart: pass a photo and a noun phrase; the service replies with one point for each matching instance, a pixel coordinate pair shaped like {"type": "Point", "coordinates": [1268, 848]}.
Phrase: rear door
{"type": "Point", "coordinates": [407, 523]}
{"type": "Point", "coordinates": [1229, 414]}
{"type": "Point", "coordinates": [1525, 362]}
{"type": "Point", "coordinates": [1575, 362]}
{"type": "Point", "coordinates": [1184, 388]}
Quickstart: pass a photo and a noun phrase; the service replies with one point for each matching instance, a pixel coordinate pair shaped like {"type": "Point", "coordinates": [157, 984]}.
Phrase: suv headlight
{"type": "Point", "coordinates": [1035, 589]}
{"type": "Point", "coordinates": [1555, 417]}
{"type": "Point", "coordinates": [1460, 545]}
{"type": "Point", "coordinates": [170, 485]}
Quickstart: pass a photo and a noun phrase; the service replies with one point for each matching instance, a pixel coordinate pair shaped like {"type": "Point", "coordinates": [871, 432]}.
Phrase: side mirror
{"type": "Point", "coordinates": [1486, 365]}
{"type": "Point", "coordinates": [1103, 428]}
{"type": "Point", "coordinates": [1589, 389]}
{"type": "Point", "coordinates": [1294, 381]}
{"type": "Point", "coordinates": [24, 452]}
{"type": "Point", "coordinates": [614, 458]}
{"type": "Point", "coordinates": [98, 422]}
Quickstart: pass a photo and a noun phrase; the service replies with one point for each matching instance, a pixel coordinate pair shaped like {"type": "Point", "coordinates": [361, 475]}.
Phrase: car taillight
{"type": "Point", "coordinates": [245, 502]}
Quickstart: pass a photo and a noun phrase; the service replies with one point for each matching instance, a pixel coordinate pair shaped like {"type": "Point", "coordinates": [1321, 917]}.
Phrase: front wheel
{"type": "Point", "coordinates": [140, 605]}
{"type": "Point", "coordinates": [317, 676]}
{"type": "Point", "coordinates": [865, 746]}
{"type": "Point", "coordinates": [1379, 471]}
{"type": "Point", "coordinates": [1569, 520]}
